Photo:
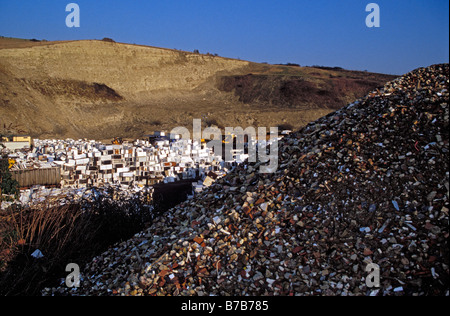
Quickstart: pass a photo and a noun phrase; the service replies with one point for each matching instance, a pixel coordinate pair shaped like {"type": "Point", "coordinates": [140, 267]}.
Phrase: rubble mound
{"type": "Point", "coordinates": [366, 186]}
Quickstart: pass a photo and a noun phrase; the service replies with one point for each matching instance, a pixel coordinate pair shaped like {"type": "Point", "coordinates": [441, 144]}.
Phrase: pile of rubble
{"type": "Point", "coordinates": [364, 186]}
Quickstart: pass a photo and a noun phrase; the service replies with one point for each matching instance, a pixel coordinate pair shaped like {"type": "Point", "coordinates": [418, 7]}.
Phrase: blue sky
{"type": "Point", "coordinates": [413, 33]}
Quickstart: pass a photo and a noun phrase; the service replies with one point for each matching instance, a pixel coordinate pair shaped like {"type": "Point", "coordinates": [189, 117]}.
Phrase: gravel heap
{"type": "Point", "coordinates": [366, 184]}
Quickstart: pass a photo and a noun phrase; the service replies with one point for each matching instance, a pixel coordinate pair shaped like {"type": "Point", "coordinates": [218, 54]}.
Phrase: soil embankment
{"type": "Point", "coordinates": [86, 89]}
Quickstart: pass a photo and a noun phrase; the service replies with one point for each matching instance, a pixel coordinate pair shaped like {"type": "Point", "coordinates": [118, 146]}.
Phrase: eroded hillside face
{"type": "Point", "coordinates": [98, 89]}
{"type": "Point", "coordinates": [131, 70]}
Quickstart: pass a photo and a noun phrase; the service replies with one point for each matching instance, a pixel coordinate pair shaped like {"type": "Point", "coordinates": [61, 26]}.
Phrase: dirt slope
{"type": "Point", "coordinates": [99, 89]}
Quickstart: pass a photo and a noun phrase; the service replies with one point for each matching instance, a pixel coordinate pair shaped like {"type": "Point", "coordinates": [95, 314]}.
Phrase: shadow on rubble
{"type": "Point", "coordinates": [72, 233]}
{"type": "Point", "coordinates": [168, 195]}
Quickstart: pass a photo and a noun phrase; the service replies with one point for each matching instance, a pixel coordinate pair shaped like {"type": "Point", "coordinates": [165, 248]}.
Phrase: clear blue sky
{"type": "Point", "coordinates": [413, 33]}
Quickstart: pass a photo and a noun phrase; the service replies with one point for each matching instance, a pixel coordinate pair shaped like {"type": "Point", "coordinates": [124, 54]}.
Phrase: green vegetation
{"type": "Point", "coordinates": [8, 186]}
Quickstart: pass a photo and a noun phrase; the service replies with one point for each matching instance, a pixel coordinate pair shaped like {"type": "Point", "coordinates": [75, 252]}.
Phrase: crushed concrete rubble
{"type": "Point", "coordinates": [365, 185]}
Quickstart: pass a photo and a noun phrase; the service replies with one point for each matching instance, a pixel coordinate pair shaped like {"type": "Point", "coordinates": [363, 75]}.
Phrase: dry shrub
{"type": "Point", "coordinates": [72, 233]}
{"type": "Point", "coordinates": [57, 232]}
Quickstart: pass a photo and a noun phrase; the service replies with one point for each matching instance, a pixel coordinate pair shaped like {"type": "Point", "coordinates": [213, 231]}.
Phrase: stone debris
{"type": "Point", "coordinates": [367, 184]}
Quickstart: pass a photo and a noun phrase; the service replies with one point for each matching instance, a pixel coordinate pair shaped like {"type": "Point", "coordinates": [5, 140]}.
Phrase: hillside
{"type": "Point", "coordinates": [101, 89]}
{"type": "Point", "coordinates": [367, 184]}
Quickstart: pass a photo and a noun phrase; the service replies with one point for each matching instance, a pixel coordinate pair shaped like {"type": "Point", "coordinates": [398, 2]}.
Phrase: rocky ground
{"type": "Point", "coordinates": [366, 184]}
